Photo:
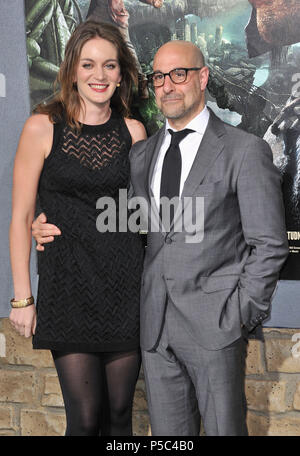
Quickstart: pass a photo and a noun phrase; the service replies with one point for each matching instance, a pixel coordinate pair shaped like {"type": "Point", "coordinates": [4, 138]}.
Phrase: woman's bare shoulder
{"type": "Point", "coordinates": [39, 123]}
{"type": "Point", "coordinates": [37, 134]}
{"type": "Point", "coordinates": [136, 129]}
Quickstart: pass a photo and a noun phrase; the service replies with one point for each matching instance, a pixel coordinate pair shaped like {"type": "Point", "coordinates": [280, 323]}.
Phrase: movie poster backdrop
{"type": "Point", "coordinates": [252, 49]}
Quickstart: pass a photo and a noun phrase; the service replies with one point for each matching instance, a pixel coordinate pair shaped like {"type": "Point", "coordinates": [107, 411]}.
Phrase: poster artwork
{"type": "Point", "coordinates": [252, 48]}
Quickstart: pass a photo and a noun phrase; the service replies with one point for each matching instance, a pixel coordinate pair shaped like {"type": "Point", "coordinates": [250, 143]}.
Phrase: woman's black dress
{"type": "Point", "coordinates": [89, 281]}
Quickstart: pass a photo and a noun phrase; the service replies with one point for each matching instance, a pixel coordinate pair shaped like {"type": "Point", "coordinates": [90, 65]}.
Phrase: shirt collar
{"type": "Point", "coordinates": [198, 123]}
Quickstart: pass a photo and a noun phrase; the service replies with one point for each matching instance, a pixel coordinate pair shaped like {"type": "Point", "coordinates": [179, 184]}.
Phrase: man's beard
{"type": "Point", "coordinates": [178, 112]}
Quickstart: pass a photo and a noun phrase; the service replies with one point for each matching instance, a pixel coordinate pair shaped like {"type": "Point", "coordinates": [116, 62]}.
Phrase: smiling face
{"type": "Point", "coordinates": [180, 103]}
{"type": "Point", "coordinates": [98, 72]}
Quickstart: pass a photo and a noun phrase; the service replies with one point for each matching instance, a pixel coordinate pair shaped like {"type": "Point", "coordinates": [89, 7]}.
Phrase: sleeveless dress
{"type": "Point", "coordinates": [89, 281]}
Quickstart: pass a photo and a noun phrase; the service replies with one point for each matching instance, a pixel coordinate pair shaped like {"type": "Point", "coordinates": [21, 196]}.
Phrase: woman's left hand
{"type": "Point", "coordinates": [24, 320]}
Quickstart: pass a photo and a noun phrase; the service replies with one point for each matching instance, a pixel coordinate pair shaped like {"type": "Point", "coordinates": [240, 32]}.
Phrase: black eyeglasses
{"type": "Point", "coordinates": [178, 75]}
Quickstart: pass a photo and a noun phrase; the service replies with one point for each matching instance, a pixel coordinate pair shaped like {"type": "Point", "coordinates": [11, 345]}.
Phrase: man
{"type": "Point", "coordinates": [199, 299]}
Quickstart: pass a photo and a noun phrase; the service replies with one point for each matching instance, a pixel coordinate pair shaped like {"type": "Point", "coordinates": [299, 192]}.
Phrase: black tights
{"type": "Point", "coordinates": [98, 390]}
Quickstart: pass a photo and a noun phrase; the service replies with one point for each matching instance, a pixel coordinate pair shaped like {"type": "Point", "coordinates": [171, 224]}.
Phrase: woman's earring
{"type": "Point", "coordinates": [118, 85]}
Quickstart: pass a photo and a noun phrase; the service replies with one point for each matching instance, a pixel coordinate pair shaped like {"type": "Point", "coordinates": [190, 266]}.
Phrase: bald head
{"type": "Point", "coordinates": [181, 47]}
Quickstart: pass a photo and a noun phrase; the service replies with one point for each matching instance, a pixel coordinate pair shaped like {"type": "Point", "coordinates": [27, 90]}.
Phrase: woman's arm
{"type": "Point", "coordinates": [34, 145]}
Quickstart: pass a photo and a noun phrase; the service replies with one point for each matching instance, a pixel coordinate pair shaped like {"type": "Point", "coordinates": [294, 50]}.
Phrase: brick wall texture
{"type": "Point", "coordinates": [31, 403]}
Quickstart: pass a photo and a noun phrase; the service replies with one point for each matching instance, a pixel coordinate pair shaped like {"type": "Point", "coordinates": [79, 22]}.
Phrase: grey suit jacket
{"type": "Point", "coordinates": [226, 280]}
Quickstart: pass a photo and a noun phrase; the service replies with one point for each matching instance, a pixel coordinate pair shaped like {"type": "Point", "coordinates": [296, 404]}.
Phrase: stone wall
{"type": "Point", "coordinates": [273, 383]}
{"type": "Point", "coordinates": [31, 402]}
{"type": "Point", "coordinates": [30, 399]}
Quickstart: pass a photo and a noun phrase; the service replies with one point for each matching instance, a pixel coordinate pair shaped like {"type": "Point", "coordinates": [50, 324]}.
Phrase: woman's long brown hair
{"type": "Point", "coordinates": [67, 102]}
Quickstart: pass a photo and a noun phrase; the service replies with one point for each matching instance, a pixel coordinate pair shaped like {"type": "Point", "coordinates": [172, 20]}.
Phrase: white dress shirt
{"type": "Point", "coordinates": [188, 149]}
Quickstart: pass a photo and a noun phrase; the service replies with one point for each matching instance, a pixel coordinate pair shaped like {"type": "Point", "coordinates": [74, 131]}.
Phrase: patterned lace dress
{"type": "Point", "coordinates": [89, 282]}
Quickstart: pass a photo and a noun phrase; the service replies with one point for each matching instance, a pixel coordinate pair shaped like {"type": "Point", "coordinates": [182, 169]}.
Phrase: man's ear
{"type": "Point", "coordinates": [204, 75]}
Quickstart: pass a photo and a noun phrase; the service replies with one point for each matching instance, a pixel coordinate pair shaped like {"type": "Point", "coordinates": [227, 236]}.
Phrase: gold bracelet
{"type": "Point", "coordinates": [21, 302]}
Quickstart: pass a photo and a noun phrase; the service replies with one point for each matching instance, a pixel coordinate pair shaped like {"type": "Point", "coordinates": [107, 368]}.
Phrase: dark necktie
{"type": "Point", "coordinates": [171, 170]}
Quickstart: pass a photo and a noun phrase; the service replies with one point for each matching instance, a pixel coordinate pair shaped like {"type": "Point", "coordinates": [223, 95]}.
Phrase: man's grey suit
{"type": "Point", "coordinates": [226, 281]}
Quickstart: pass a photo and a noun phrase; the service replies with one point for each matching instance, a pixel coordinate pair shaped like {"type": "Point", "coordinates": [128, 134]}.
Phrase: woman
{"type": "Point", "coordinates": [72, 152]}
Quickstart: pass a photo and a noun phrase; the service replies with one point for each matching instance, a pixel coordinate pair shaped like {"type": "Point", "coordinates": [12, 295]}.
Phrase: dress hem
{"type": "Point", "coordinates": [120, 346]}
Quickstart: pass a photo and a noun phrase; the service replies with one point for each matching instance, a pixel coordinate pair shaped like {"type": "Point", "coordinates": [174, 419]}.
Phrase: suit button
{"type": "Point", "coordinates": [168, 241]}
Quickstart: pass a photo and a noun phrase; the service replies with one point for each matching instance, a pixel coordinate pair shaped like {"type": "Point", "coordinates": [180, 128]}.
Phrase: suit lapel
{"type": "Point", "coordinates": [152, 157]}
{"type": "Point", "coordinates": [153, 150]}
{"type": "Point", "coordinates": [210, 148]}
